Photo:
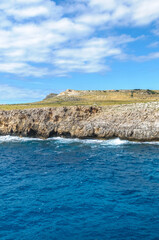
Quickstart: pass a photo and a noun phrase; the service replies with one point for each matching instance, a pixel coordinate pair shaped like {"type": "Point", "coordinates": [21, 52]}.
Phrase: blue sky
{"type": "Point", "coordinates": [50, 46]}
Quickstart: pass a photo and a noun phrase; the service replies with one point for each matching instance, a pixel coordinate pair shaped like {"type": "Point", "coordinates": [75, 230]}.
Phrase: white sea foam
{"type": "Point", "coordinates": [111, 142]}
{"type": "Point", "coordinates": [114, 142]}
{"type": "Point", "coordinates": [8, 138]}
{"type": "Point", "coordinates": [73, 140]}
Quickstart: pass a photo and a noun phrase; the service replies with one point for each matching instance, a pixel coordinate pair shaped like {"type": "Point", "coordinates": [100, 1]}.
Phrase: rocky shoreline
{"type": "Point", "coordinates": [139, 122]}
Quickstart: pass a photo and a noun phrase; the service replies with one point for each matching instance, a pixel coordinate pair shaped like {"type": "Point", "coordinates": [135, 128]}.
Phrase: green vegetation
{"type": "Point", "coordinates": [99, 98]}
{"type": "Point", "coordinates": [51, 95]}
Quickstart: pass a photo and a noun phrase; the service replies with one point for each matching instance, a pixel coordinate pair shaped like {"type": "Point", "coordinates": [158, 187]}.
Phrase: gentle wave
{"type": "Point", "coordinates": [8, 138]}
{"type": "Point", "coordinates": [114, 142]}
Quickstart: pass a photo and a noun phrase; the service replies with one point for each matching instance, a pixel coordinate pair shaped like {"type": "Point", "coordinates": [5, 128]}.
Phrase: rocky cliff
{"type": "Point", "coordinates": [133, 122]}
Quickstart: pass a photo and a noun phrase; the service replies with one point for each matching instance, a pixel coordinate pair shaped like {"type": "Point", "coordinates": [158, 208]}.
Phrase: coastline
{"type": "Point", "coordinates": [63, 140]}
{"type": "Point", "coordinates": [133, 122]}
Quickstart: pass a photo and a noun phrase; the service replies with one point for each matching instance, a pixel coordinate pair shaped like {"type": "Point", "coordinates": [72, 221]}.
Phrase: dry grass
{"type": "Point", "coordinates": [99, 98]}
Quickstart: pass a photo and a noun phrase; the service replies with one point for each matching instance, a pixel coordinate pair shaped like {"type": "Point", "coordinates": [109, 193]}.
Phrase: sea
{"type": "Point", "coordinates": [71, 189]}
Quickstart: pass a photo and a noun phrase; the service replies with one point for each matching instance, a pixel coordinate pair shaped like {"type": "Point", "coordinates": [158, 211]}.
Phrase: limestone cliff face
{"type": "Point", "coordinates": [133, 122]}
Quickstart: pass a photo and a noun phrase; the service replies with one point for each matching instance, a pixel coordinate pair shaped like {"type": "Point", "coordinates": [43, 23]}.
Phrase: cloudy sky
{"type": "Point", "coordinates": [49, 46]}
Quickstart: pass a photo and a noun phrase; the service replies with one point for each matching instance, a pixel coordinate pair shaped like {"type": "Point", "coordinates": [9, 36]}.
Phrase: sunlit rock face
{"type": "Point", "coordinates": [138, 122]}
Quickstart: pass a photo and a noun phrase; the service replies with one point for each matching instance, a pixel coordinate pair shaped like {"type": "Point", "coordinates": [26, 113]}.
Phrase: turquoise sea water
{"type": "Point", "coordinates": [78, 189]}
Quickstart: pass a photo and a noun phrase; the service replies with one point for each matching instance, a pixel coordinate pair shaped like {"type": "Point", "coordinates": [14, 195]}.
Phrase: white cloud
{"type": "Point", "coordinates": [11, 93]}
{"type": "Point", "coordinates": [20, 9]}
{"type": "Point", "coordinates": [154, 44]}
{"type": "Point", "coordinates": [89, 56]}
{"type": "Point", "coordinates": [94, 19]}
{"type": "Point", "coordinates": [107, 5]}
{"type": "Point", "coordinates": [22, 69]}
{"type": "Point", "coordinates": [135, 12]}
{"type": "Point", "coordinates": [65, 38]}
{"type": "Point", "coordinates": [29, 12]}
{"type": "Point", "coordinates": [151, 56]}
{"type": "Point", "coordinates": [145, 11]}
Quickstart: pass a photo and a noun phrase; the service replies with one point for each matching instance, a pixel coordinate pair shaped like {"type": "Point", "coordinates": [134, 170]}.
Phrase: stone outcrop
{"type": "Point", "coordinates": [138, 122]}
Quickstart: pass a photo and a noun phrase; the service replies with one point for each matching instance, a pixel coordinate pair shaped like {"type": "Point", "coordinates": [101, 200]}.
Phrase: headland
{"type": "Point", "coordinates": [135, 121]}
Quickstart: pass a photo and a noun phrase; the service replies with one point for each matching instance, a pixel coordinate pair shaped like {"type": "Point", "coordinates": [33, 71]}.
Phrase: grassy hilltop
{"type": "Point", "coordinates": [99, 98]}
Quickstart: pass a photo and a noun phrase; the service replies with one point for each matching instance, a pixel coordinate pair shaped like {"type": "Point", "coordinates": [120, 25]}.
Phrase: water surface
{"type": "Point", "coordinates": [78, 189]}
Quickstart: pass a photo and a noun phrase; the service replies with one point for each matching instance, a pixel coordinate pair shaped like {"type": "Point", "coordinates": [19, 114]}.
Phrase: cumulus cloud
{"type": "Point", "coordinates": [90, 56]}
{"type": "Point", "coordinates": [135, 12]}
{"type": "Point", "coordinates": [40, 37]}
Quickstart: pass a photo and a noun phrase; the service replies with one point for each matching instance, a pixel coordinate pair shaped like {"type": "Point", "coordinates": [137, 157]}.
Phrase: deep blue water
{"type": "Point", "coordinates": [78, 190]}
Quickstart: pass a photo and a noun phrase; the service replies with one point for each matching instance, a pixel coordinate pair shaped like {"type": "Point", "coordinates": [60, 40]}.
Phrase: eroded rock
{"type": "Point", "coordinates": [133, 122]}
